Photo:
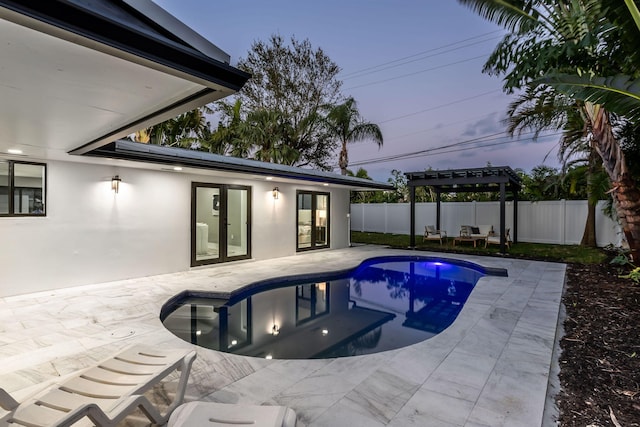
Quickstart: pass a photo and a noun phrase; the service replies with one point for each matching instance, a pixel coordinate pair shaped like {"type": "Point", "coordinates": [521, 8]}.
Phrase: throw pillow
{"type": "Point", "coordinates": [475, 230]}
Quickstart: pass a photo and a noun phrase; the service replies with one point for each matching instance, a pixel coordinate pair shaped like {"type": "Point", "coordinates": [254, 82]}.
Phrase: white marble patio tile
{"type": "Point", "coordinates": [299, 368]}
{"type": "Point", "coordinates": [489, 336]}
{"type": "Point", "coordinates": [484, 417]}
{"type": "Point", "coordinates": [428, 408]}
{"type": "Point", "coordinates": [515, 298]}
{"type": "Point", "coordinates": [254, 388]}
{"type": "Point", "coordinates": [486, 292]}
{"type": "Point", "coordinates": [462, 375]}
{"type": "Point", "coordinates": [517, 390]}
{"type": "Point", "coordinates": [416, 363]}
{"type": "Point", "coordinates": [313, 395]}
{"type": "Point", "coordinates": [528, 339]}
{"type": "Point", "coordinates": [542, 313]}
{"type": "Point", "coordinates": [356, 369]}
{"type": "Point", "coordinates": [381, 395]}
{"type": "Point", "coordinates": [344, 413]}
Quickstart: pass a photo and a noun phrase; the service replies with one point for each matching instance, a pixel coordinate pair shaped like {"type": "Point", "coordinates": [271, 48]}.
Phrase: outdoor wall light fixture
{"type": "Point", "coordinates": [276, 193]}
{"type": "Point", "coordinates": [325, 332]}
{"type": "Point", "coordinates": [275, 330]}
{"type": "Point", "coordinates": [115, 183]}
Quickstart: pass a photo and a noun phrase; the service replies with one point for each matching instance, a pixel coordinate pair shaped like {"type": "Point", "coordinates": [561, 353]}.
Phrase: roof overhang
{"type": "Point", "coordinates": [168, 157]}
{"type": "Point", "coordinates": [78, 74]}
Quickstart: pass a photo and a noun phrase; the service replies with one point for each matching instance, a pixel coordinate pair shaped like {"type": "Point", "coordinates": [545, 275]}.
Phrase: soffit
{"type": "Point", "coordinates": [73, 78]}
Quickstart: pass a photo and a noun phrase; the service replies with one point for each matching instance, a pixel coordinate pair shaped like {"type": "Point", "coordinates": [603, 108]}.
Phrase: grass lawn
{"type": "Point", "coordinates": [537, 251]}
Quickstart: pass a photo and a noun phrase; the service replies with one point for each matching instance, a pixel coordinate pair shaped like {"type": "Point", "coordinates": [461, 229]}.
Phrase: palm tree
{"type": "Point", "coordinates": [344, 123]}
{"type": "Point", "coordinates": [227, 138]}
{"type": "Point", "coordinates": [543, 108]}
{"type": "Point", "coordinates": [183, 131]}
{"type": "Point", "coordinates": [267, 131]}
{"type": "Point", "coordinates": [550, 38]}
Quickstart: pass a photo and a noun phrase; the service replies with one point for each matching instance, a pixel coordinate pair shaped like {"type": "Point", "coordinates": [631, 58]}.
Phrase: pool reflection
{"type": "Point", "coordinates": [379, 307]}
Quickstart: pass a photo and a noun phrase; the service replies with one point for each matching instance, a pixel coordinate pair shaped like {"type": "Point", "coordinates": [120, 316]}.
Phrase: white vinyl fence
{"type": "Point", "coordinates": [559, 221]}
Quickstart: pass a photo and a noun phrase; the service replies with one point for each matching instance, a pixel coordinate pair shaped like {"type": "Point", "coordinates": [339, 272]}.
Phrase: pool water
{"type": "Point", "coordinates": [381, 305]}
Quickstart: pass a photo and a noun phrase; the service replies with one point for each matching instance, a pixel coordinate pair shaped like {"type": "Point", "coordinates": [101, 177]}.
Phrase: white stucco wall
{"type": "Point", "coordinates": [92, 235]}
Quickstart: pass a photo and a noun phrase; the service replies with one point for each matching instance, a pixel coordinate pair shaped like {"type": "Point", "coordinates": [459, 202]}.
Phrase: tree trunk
{"type": "Point", "coordinates": [589, 235]}
{"type": "Point", "coordinates": [624, 191]}
{"type": "Point", "coordinates": [343, 161]}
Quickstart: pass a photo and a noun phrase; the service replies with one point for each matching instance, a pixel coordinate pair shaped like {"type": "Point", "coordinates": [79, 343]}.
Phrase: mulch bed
{"type": "Point", "coordinates": [600, 360]}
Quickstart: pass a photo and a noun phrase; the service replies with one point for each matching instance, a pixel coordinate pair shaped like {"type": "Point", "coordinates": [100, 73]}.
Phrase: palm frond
{"type": "Point", "coordinates": [618, 94]}
{"type": "Point", "coordinates": [511, 14]}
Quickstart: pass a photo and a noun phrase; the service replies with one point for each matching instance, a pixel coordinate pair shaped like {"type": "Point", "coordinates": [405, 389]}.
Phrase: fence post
{"type": "Point", "coordinates": [563, 215]}
{"type": "Point", "coordinates": [385, 217]}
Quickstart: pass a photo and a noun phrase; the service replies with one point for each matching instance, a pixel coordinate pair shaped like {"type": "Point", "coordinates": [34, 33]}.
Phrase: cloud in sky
{"type": "Point", "coordinates": [489, 125]}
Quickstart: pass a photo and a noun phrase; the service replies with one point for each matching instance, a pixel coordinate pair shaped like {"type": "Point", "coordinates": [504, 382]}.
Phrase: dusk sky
{"type": "Point", "coordinates": [414, 68]}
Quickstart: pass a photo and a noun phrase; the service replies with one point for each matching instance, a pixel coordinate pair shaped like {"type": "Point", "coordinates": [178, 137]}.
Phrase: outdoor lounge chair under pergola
{"type": "Point", "coordinates": [490, 178]}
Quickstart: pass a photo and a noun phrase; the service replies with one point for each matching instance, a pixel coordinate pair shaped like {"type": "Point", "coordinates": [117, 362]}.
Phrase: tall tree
{"type": "Point", "coordinates": [576, 38]}
{"type": "Point", "coordinates": [345, 124]}
{"type": "Point", "coordinates": [293, 81]}
{"type": "Point", "coordinates": [542, 108]}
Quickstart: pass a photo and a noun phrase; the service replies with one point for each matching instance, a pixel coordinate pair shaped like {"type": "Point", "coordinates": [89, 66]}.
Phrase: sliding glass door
{"type": "Point", "coordinates": [220, 223]}
{"type": "Point", "coordinates": [313, 220]}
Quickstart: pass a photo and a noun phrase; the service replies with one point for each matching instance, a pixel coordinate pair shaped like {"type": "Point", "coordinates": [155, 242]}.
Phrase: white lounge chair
{"type": "Point", "coordinates": [495, 239]}
{"type": "Point", "coordinates": [213, 414]}
{"type": "Point", "coordinates": [104, 394]}
{"type": "Point", "coordinates": [431, 233]}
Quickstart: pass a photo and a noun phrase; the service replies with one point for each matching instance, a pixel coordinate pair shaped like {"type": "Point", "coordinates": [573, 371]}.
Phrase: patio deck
{"type": "Point", "coordinates": [490, 368]}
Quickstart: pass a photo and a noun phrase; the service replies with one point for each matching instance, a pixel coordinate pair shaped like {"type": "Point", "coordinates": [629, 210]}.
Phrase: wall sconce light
{"type": "Point", "coordinates": [275, 330]}
{"type": "Point", "coordinates": [325, 332]}
{"type": "Point", "coordinates": [276, 193]}
{"type": "Point", "coordinates": [115, 183]}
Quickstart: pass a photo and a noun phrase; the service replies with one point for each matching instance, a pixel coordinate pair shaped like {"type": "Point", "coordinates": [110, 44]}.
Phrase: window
{"type": "Point", "coordinates": [22, 188]}
{"type": "Point", "coordinates": [313, 220]}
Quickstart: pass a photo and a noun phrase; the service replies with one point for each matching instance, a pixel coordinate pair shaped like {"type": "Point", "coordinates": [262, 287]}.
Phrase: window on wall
{"type": "Point", "coordinates": [22, 188]}
{"type": "Point", "coordinates": [313, 220]}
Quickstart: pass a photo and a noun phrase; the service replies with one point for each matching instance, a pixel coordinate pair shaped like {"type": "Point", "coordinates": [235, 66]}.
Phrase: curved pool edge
{"type": "Point", "coordinates": [282, 281]}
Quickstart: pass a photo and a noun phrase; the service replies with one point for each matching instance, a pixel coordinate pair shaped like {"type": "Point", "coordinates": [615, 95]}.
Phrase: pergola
{"type": "Point", "coordinates": [490, 178]}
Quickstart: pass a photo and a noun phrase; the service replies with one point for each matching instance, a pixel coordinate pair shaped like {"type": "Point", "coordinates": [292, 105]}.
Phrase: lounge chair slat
{"type": "Point", "coordinates": [150, 357]}
{"type": "Point", "coordinates": [130, 368]}
{"type": "Point", "coordinates": [36, 416]}
{"type": "Point", "coordinates": [64, 401]}
{"type": "Point", "coordinates": [106, 376]}
{"type": "Point", "coordinates": [90, 388]}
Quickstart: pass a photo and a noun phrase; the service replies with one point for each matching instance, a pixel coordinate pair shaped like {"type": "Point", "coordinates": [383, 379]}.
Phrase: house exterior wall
{"type": "Point", "coordinates": [92, 235]}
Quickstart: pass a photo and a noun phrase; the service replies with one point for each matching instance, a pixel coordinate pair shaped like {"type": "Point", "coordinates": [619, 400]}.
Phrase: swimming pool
{"type": "Point", "coordinates": [383, 304]}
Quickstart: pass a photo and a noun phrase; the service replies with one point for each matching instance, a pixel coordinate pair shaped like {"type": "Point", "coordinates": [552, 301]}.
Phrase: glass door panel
{"type": "Point", "coordinates": [207, 226]}
{"type": "Point", "coordinates": [322, 209]}
{"type": "Point", "coordinates": [237, 222]}
{"type": "Point", "coordinates": [304, 220]}
{"type": "Point", "coordinates": [4, 187]}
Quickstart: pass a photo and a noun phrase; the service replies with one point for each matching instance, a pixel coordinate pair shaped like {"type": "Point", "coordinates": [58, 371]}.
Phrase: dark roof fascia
{"type": "Point", "coordinates": [466, 180]}
{"type": "Point", "coordinates": [150, 153]}
{"type": "Point", "coordinates": [158, 48]}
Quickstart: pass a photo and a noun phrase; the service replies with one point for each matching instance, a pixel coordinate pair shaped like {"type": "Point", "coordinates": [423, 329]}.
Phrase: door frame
{"type": "Point", "coordinates": [314, 207]}
{"type": "Point", "coordinates": [222, 225]}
